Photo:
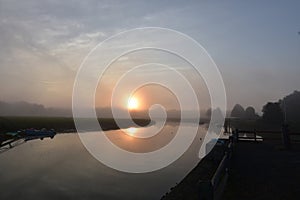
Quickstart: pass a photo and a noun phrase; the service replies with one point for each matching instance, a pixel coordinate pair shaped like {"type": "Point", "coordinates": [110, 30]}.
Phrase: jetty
{"type": "Point", "coordinates": [252, 164]}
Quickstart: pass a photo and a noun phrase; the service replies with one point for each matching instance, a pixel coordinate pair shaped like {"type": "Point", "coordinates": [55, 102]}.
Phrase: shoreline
{"type": "Point", "coordinates": [66, 124]}
{"type": "Point", "coordinates": [62, 124]}
{"type": "Point", "coordinates": [254, 170]}
{"type": "Point", "coordinates": [188, 187]}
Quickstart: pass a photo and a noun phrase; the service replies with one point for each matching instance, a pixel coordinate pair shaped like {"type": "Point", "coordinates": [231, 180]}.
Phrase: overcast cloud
{"type": "Point", "coordinates": [255, 45]}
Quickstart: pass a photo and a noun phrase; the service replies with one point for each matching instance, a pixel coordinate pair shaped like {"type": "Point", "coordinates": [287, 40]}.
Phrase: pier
{"type": "Point", "coordinates": [265, 170]}
{"type": "Point", "coordinates": [255, 164]}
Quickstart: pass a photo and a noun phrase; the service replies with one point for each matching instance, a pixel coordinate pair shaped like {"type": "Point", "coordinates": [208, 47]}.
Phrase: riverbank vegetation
{"type": "Point", "coordinates": [61, 124]}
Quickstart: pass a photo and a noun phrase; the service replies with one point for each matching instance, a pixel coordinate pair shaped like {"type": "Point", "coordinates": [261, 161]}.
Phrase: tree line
{"type": "Point", "coordinates": [286, 110]}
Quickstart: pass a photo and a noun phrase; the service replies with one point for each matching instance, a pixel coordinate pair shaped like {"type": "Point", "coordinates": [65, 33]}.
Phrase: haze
{"type": "Point", "coordinates": [255, 44]}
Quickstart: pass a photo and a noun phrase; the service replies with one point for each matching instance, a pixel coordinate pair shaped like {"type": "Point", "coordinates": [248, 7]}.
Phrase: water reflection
{"type": "Point", "coordinates": [63, 169]}
{"type": "Point", "coordinates": [134, 140]}
{"type": "Point", "coordinates": [131, 131]}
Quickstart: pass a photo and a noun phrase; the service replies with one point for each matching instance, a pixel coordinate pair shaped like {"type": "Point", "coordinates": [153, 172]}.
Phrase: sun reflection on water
{"type": "Point", "coordinates": [131, 131]}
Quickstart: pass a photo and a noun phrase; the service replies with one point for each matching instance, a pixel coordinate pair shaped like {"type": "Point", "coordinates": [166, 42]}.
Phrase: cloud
{"type": "Point", "coordinates": [44, 42]}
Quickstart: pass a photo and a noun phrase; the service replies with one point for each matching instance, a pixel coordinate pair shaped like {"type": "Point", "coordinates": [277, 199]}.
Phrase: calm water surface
{"type": "Point", "coordinates": [62, 168]}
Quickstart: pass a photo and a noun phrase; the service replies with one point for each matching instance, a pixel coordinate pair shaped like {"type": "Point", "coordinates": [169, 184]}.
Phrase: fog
{"type": "Point", "coordinates": [256, 46]}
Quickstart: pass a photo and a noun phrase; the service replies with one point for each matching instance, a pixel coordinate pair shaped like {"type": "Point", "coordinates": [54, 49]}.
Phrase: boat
{"type": "Point", "coordinates": [12, 139]}
{"type": "Point", "coordinates": [35, 133]}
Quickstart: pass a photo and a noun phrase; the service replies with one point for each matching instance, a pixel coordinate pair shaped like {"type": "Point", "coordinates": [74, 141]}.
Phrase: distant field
{"type": "Point", "coordinates": [60, 124]}
{"type": "Point", "coordinates": [259, 124]}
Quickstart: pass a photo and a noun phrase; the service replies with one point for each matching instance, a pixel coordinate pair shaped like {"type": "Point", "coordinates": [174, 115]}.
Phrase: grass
{"type": "Point", "coordinates": [259, 124]}
{"type": "Point", "coordinates": [60, 124]}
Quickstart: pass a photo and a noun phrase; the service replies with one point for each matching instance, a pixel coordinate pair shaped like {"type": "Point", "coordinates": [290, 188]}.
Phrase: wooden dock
{"type": "Point", "coordinates": [256, 164]}
{"type": "Point", "coordinates": [264, 170]}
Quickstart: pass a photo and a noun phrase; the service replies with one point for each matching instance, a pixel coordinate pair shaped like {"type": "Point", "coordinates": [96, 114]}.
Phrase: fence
{"type": "Point", "coordinates": [284, 135]}
{"type": "Point", "coordinates": [213, 189]}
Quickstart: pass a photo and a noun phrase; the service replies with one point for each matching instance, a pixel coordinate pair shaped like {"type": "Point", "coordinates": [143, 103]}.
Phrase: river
{"type": "Point", "coordinates": [61, 168]}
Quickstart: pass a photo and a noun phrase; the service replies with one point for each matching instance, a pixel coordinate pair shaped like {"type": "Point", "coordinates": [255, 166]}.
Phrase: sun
{"type": "Point", "coordinates": [132, 103]}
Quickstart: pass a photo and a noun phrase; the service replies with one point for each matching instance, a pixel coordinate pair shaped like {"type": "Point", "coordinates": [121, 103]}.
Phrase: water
{"type": "Point", "coordinates": [62, 168]}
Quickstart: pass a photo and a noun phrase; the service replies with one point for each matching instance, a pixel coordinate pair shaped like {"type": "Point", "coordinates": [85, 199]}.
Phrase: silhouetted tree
{"type": "Point", "coordinates": [208, 112]}
{"type": "Point", "coordinates": [30, 109]}
{"type": "Point", "coordinates": [272, 113]}
{"type": "Point", "coordinates": [291, 105]}
{"type": "Point", "coordinates": [250, 113]}
{"type": "Point", "coordinates": [238, 111]}
{"type": "Point", "coordinates": [218, 116]}
{"type": "Point", "coordinates": [217, 112]}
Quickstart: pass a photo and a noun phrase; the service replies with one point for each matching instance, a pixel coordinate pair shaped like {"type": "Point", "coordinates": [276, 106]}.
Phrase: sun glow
{"type": "Point", "coordinates": [131, 131]}
{"type": "Point", "coordinates": [132, 103]}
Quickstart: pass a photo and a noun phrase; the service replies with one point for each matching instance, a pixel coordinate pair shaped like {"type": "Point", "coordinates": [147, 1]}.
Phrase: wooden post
{"type": "Point", "coordinates": [286, 137]}
{"type": "Point", "coordinates": [229, 125]}
{"type": "Point", "coordinates": [206, 190]}
{"type": "Point", "coordinates": [233, 136]}
{"type": "Point", "coordinates": [255, 135]}
{"type": "Point", "coordinates": [226, 126]}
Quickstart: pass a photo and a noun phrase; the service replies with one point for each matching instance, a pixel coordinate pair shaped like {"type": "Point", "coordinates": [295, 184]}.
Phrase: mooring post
{"type": "Point", "coordinates": [206, 190]}
{"type": "Point", "coordinates": [285, 136]}
{"type": "Point", "coordinates": [255, 135]}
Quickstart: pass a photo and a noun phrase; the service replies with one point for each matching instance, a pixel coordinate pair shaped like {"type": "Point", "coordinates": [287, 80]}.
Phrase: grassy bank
{"type": "Point", "coordinates": [60, 124]}
{"type": "Point", "coordinates": [259, 124]}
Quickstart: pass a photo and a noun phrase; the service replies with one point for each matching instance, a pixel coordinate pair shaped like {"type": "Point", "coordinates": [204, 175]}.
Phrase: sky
{"type": "Point", "coordinates": [255, 44]}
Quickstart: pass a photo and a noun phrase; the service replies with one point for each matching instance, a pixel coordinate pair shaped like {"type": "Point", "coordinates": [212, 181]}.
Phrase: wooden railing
{"type": "Point", "coordinates": [213, 189]}
{"type": "Point", "coordinates": [284, 134]}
